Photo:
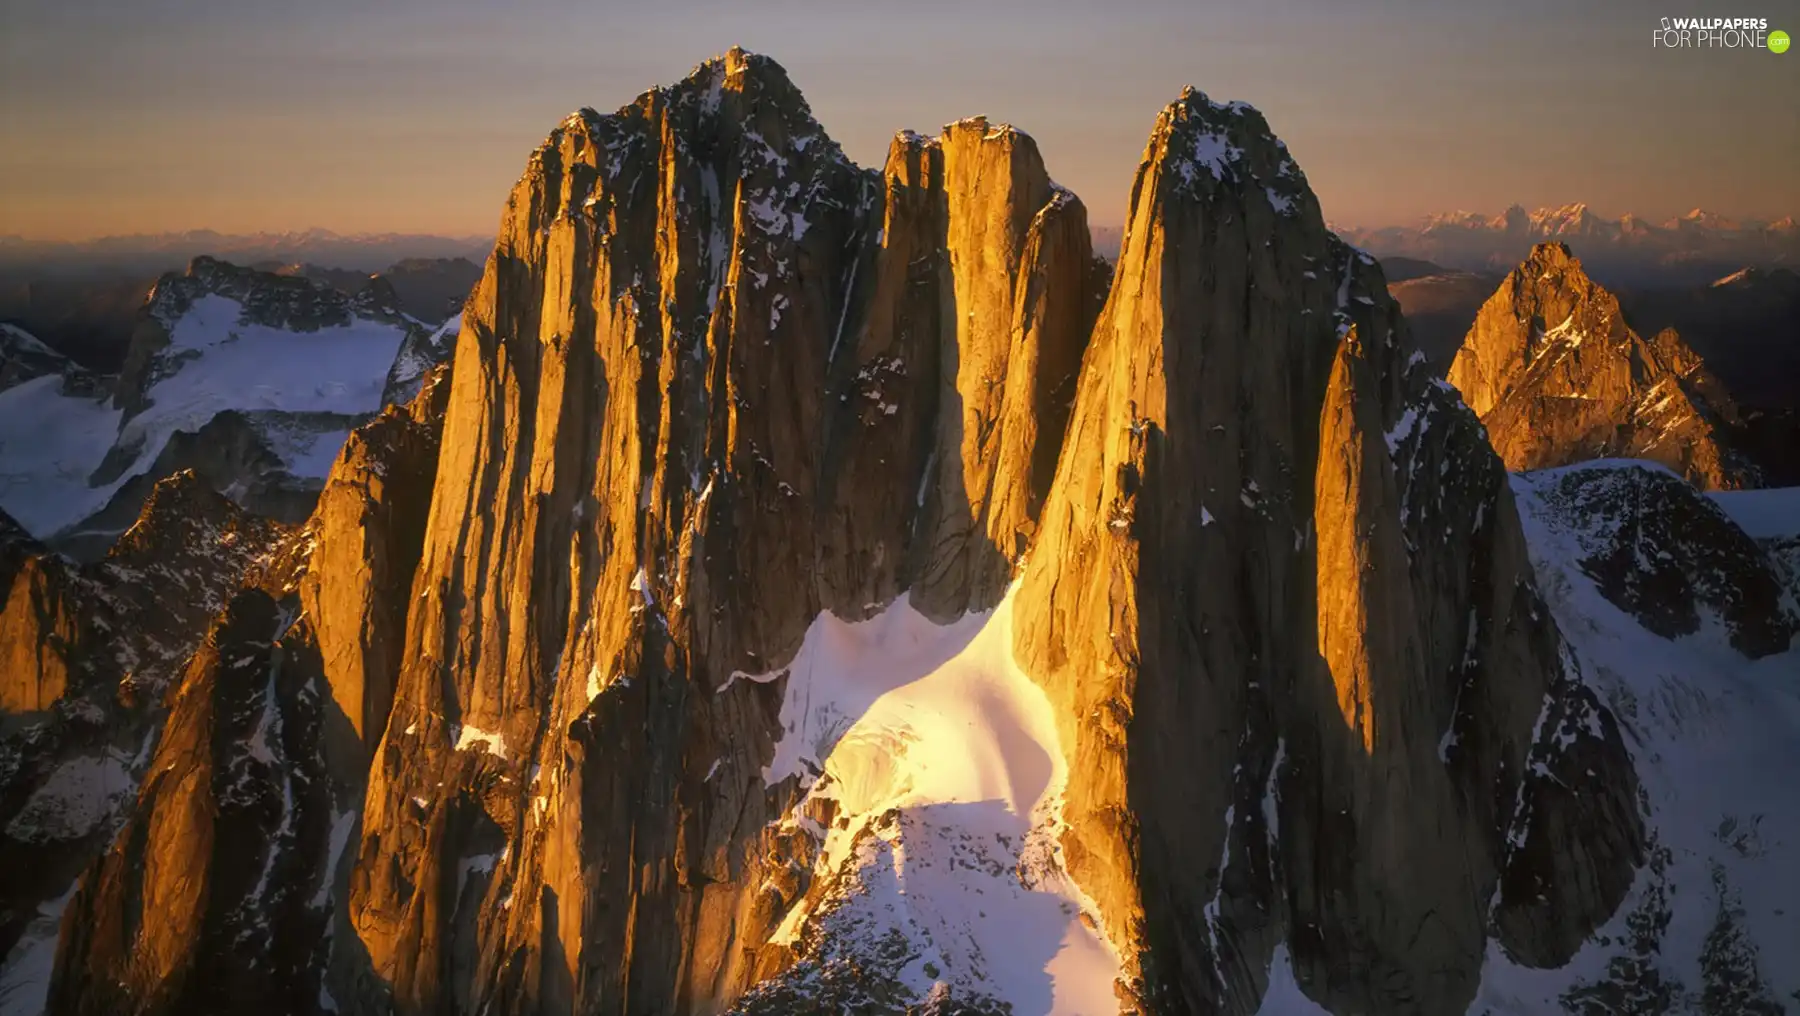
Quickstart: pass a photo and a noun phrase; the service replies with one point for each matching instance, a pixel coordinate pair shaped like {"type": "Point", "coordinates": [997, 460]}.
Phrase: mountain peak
{"type": "Point", "coordinates": [279, 299]}
{"type": "Point", "coordinates": [1558, 376]}
{"type": "Point", "coordinates": [743, 72]}
{"type": "Point", "coordinates": [1550, 258]}
{"type": "Point", "coordinates": [1207, 145]}
{"type": "Point", "coordinates": [1572, 218]}
{"type": "Point", "coordinates": [812, 549]}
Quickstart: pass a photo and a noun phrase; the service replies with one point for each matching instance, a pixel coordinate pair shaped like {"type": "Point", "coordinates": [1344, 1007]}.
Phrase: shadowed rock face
{"type": "Point", "coordinates": [1557, 377]}
{"type": "Point", "coordinates": [716, 380]}
{"type": "Point", "coordinates": [1279, 561]}
{"type": "Point", "coordinates": [88, 651]}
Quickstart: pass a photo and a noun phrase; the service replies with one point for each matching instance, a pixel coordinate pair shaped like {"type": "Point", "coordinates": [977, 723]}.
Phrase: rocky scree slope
{"type": "Point", "coordinates": [753, 465]}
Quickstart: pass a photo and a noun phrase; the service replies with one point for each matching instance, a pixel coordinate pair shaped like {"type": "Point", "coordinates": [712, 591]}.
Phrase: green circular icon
{"type": "Point", "coordinates": [1778, 41]}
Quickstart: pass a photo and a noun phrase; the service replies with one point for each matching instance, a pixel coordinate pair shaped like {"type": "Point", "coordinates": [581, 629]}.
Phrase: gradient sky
{"type": "Point", "coordinates": [417, 115]}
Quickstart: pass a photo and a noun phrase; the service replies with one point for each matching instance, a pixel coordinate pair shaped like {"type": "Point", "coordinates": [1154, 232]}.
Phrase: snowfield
{"type": "Point", "coordinates": [25, 975]}
{"type": "Point", "coordinates": [934, 778]}
{"type": "Point", "coordinates": [304, 390]}
{"type": "Point", "coordinates": [49, 444]}
{"type": "Point", "coordinates": [227, 363]}
{"type": "Point", "coordinates": [76, 800]}
{"type": "Point", "coordinates": [1764, 514]}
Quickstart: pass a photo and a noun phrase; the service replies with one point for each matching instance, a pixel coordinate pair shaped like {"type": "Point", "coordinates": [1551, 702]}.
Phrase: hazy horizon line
{"type": "Point", "coordinates": [462, 237]}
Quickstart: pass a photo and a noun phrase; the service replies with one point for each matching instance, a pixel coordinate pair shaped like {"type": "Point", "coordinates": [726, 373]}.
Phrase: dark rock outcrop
{"type": "Point", "coordinates": [229, 453]}
{"type": "Point", "coordinates": [90, 650]}
{"type": "Point", "coordinates": [1668, 556]}
{"type": "Point", "coordinates": [23, 357]}
{"type": "Point", "coordinates": [432, 289]}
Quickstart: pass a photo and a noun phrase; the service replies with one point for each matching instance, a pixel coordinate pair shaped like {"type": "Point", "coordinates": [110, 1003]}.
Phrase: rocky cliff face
{"type": "Point", "coordinates": [710, 385]}
{"type": "Point", "coordinates": [1557, 376]}
{"type": "Point", "coordinates": [684, 424]}
{"type": "Point", "coordinates": [89, 651]}
{"type": "Point", "coordinates": [218, 892]}
{"type": "Point", "coordinates": [835, 592]}
{"type": "Point", "coordinates": [1280, 562]}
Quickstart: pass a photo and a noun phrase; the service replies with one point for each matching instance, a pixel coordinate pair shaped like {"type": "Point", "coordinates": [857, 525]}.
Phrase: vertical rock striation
{"type": "Point", "coordinates": [1281, 600]}
{"type": "Point", "coordinates": [529, 682]}
{"type": "Point", "coordinates": [715, 380]}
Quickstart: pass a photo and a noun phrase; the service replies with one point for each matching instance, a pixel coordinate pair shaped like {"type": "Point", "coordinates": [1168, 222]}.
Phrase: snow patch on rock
{"type": "Point", "coordinates": [80, 796]}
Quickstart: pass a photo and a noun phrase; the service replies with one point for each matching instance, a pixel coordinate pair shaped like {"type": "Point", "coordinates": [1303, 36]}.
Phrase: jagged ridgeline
{"type": "Point", "coordinates": [841, 592]}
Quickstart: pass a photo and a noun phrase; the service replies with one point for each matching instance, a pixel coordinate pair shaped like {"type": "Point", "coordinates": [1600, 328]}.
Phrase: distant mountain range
{"type": "Point", "coordinates": [82, 300]}
{"type": "Point", "coordinates": [1695, 247]}
{"type": "Point", "coordinates": [364, 252]}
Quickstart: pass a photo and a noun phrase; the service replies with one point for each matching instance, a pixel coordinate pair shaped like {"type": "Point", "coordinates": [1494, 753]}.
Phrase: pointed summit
{"type": "Point", "coordinates": [1557, 376]}
{"type": "Point", "coordinates": [1207, 145]}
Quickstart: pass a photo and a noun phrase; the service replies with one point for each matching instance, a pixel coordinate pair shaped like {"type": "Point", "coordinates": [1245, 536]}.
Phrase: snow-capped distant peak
{"type": "Point", "coordinates": [285, 363]}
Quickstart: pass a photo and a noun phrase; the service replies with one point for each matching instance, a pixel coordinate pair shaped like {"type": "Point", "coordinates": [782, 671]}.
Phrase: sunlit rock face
{"type": "Point", "coordinates": [1558, 376]}
{"type": "Point", "coordinates": [824, 593]}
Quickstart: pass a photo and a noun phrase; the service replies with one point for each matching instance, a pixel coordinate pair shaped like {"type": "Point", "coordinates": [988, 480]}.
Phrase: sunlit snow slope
{"type": "Point", "coordinates": [935, 782]}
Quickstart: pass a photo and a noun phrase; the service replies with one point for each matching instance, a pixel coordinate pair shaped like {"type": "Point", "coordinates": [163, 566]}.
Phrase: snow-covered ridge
{"type": "Point", "coordinates": [292, 303]}
{"type": "Point", "coordinates": [1715, 738]}
{"type": "Point", "coordinates": [218, 358]}
{"type": "Point", "coordinates": [16, 341]}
